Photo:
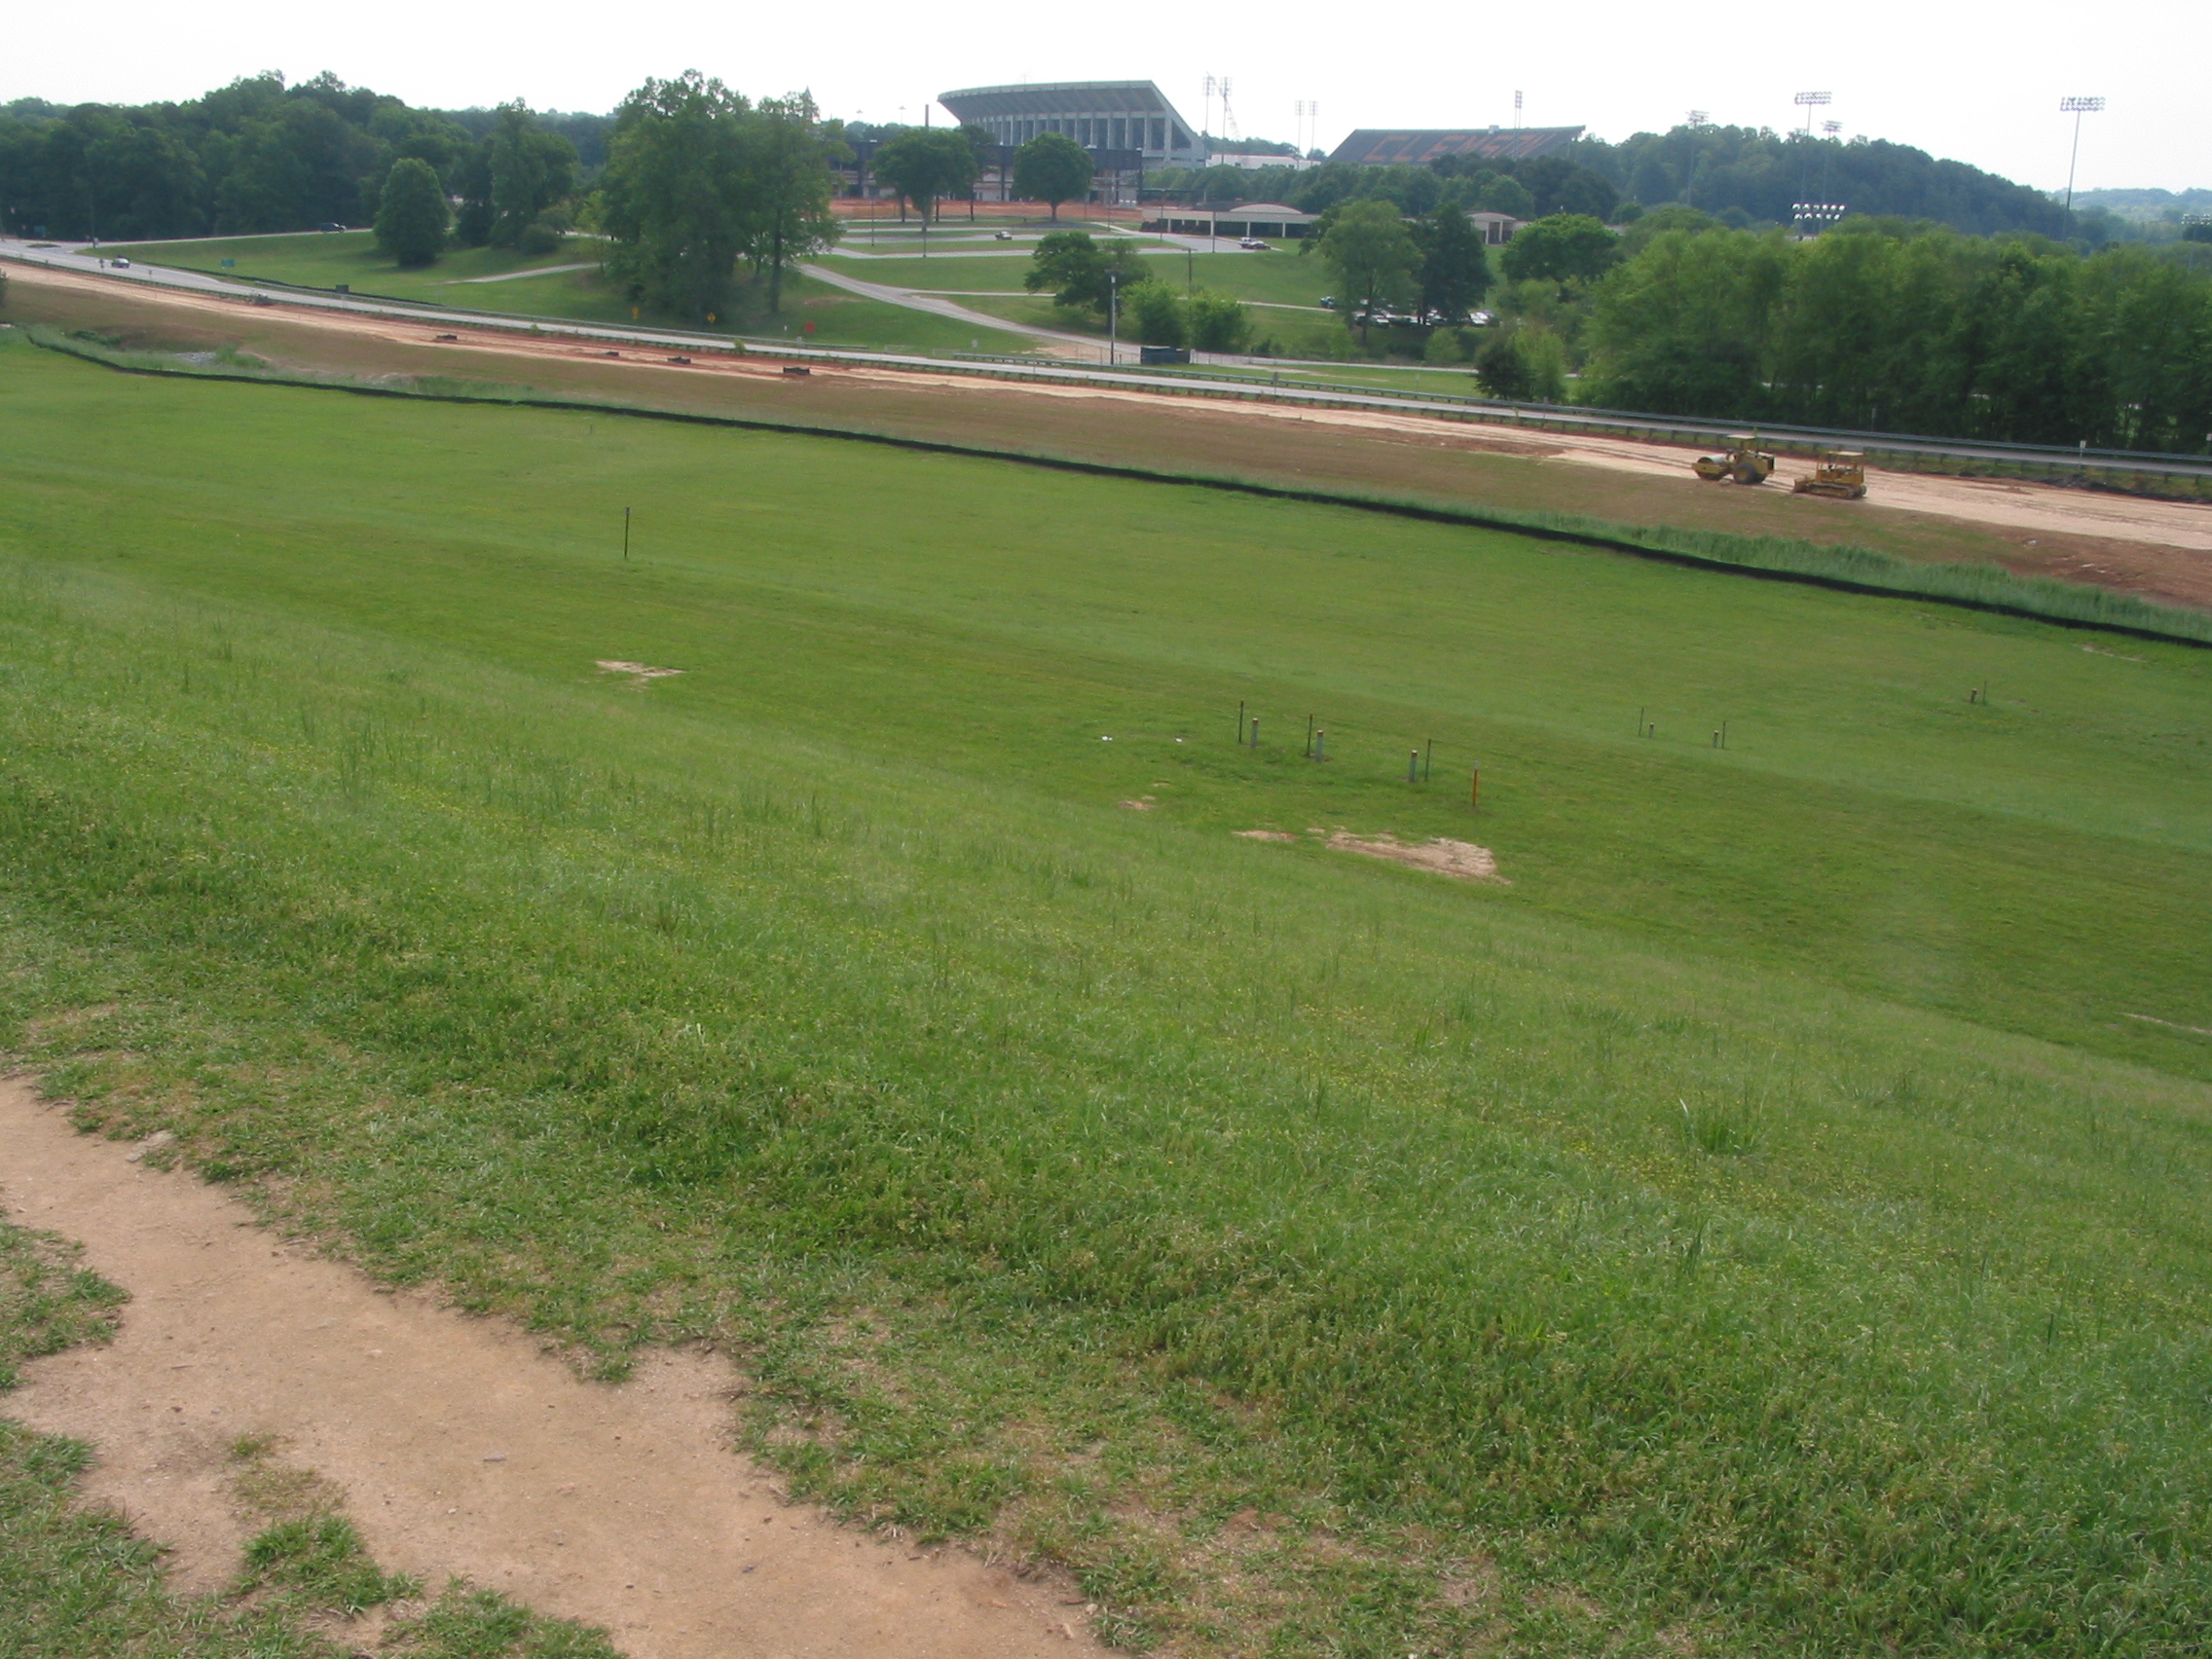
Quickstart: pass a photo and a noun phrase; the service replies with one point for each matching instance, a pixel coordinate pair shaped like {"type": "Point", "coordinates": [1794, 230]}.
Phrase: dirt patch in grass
{"type": "Point", "coordinates": [459, 1446]}
{"type": "Point", "coordinates": [1461, 860]}
{"type": "Point", "coordinates": [1265, 834]}
{"type": "Point", "coordinates": [642, 673]}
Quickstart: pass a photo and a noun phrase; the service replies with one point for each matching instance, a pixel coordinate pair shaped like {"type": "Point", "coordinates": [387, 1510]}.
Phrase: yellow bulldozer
{"type": "Point", "coordinates": [1841, 474]}
{"type": "Point", "coordinates": [1742, 463]}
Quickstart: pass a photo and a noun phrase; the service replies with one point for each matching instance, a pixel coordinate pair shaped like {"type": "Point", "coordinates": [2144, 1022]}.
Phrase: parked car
{"type": "Point", "coordinates": [1254, 244]}
{"type": "Point", "coordinates": [327, 226]}
{"type": "Point", "coordinates": [119, 264]}
{"type": "Point", "coordinates": [1004, 236]}
{"type": "Point", "coordinates": [1328, 302]}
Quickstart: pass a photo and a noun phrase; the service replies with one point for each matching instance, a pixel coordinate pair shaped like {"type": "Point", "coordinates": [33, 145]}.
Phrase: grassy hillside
{"type": "Point", "coordinates": [1775, 1222]}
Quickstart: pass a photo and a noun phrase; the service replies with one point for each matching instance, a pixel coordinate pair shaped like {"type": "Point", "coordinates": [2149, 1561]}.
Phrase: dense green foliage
{"type": "Point", "coordinates": [1081, 272]}
{"type": "Point", "coordinates": [1563, 248]}
{"type": "Point", "coordinates": [1453, 263]}
{"type": "Point", "coordinates": [412, 216]}
{"type": "Point", "coordinates": [1745, 176]}
{"type": "Point", "coordinates": [1052, 167]}
{"type": "Point", "coordinates": [1370, 252]}
{"type": "Point", "coordinates": [255, 156]}
{"type": "Point", "coordinates": [697, 177]}
{"type": "Point", "coordinates": [1908, 329]}
{"type": "Point", "coordinates": [1761, 1226]}
{"type": "Point", "coordinates": [1752, 175]}
{"type": "Point", "coordinates": [927, 165]}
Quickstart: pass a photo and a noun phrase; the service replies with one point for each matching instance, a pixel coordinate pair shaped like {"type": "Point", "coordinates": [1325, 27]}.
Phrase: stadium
{"type": "Point", "coordinates": [1130, 123]}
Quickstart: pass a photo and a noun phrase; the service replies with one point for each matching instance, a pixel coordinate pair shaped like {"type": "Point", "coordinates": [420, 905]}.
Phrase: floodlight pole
{"type": "Point", "coordinates": [2077, 108]}
{"type": "Point", "coordinates": [1113, 317]}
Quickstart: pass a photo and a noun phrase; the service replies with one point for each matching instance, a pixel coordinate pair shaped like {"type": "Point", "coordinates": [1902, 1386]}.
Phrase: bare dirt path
{"type": "Point", "coordinates": [462, 1449]}
{"type": "Point", "coordinates": [2174, 527]}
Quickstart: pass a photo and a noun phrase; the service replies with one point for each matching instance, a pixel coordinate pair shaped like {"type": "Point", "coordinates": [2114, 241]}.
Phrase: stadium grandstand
{"type": "Point", "coordinates": [1129, 123]}
{"type": "Point", "coordinates": [1381, 146]}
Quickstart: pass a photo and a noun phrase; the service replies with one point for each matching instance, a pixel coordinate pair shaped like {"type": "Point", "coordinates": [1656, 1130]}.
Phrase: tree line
{"type": "Point", "coordinates": [259, 155]}
{"type": "Point", "coordinates": [1913, 328]}
{"type": "Point", "coordinates": [1743, 177]}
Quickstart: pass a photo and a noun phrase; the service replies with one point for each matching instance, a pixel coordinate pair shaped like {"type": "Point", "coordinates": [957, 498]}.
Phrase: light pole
{"type": "Point", "coordinates": [1113, 318]}
{"type": "Point", "coordinates": [2077, 108]}
{"type": "Point", "coordinates": [1694, 120]}
{"type": "Point", "coordinates": [1808, 102]}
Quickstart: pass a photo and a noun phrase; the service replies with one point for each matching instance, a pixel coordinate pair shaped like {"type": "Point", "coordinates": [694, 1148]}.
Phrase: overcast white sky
{"type": "Point", "coordinates": [1979, 79]}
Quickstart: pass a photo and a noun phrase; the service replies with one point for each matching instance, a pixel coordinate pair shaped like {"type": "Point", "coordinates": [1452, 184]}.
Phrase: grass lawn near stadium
{"type": "Point", "coordinates": [318, 260]}
{"type": "Point", "coordinates": [1775, 1219]}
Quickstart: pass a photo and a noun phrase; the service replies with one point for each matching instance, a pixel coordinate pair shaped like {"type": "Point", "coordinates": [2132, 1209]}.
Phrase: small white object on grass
{"type": "Point", "coordinates": [1105, 740]}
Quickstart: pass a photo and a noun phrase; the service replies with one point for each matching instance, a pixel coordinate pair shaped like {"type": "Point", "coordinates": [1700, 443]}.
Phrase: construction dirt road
{"type": "Point", "coordinates": [2159, 548]}
{"type": "Point", "coordinates": [459, 1446]}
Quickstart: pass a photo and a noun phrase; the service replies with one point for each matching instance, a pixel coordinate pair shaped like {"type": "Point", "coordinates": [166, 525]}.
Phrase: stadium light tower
{"type": "Point", "coordinates": [2077, 108]}
{"type": "Point", "coordinates": [1807, 102]}
{"type": "Point", "coordinates": [1693, 120]}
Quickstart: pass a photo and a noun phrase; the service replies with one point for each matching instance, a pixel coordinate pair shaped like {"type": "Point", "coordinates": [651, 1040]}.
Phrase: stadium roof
{"type": "Point", "coordinates": [979, 105]}
{"type": "Point", "coordinates": [1380, 146]}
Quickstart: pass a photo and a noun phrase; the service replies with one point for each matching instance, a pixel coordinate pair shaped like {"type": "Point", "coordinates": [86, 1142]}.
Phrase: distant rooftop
{"type": "Point", "coordinates": [1380, 146]}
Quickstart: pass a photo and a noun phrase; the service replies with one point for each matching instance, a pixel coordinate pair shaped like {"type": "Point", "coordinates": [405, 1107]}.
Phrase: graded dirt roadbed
{"type": "Point", "coordinates": [2159, 548]}
{"type": "Point", "coordinates": [463, 1448]}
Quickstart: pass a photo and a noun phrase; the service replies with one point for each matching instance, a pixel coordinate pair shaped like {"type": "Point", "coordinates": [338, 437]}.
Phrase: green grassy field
{"type": "Point", "coordinates": [352, 257]}
{"type": "Point", "coordinates": [1776, 1222]}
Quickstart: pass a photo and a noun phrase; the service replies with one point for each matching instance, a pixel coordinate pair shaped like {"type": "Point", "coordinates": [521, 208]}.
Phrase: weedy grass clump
{"type": "Point", "coordinates": [1758, 1227]}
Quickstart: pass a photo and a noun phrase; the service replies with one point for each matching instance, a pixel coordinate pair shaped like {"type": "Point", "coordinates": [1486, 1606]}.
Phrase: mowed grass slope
{"type": "Point", "coordinates": [1761, 1224]}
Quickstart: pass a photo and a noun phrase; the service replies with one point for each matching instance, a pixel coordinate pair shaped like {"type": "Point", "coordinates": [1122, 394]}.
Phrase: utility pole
{"type": "Point", "coordinates": [2077, 108]}
{"type": "Point", "coordinates": [1113, 317]}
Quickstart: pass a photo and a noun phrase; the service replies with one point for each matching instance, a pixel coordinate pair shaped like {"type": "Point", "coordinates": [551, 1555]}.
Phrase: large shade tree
{"type": "Point", "coordinates": [927, 164]}
{"type": "Point", "coordinates": [673, 201]}
{"type": "Point", "coordinates": [411, 213]}
{"type": "Point", "coordinates": [1052, 167]}
{"type": "Point", "coordinates": [787, 187]}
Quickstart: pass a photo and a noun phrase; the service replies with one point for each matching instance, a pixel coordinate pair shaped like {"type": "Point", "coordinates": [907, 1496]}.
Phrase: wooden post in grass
{"type": "Point", "coordinates": [1412, 765]}
{"type": "Point", "coordinates": [625, 535]}
{"type": "Point", "coordinates": [1309, 737]}
{"type": "Point", "coordinates": [1427, 759]}
{"type": "Point", "coordinates": [1474, 787]}
{"type": "Point", "coordinates": [1241, 722]}
{"type": "Point", "coordinates": [1639, 721]}
{"type": "Point", "coordinates": [1321, 745]}
{"type": "Point", "coordinates": [1255, 732]}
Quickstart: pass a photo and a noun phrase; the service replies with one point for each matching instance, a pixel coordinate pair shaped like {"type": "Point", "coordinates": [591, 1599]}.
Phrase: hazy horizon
{"type": "Point", "coordinates": [1960, 87]}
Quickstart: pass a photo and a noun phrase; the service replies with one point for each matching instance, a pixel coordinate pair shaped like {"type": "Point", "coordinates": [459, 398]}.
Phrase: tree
{"type": "Point", "coordinates": [926, 165]}
{"type": "Point", "coordinates": [1217, 322]}
{"type": "Point", "coordinates": [1454, 269]}
{"type": "Point", "coordinates": [531, 170]}
{"type": "Point", "coordinates": [674, 199]}
{"type": "Point", "coordinates": [1154, 313]}
{"type": "Point", "coordinates": [411, 213]}
{"type": "Point", "coordinates": [788, 157]}
{"type": "Point", "coordinates": [1370, 252]}
{"type": "Point", "coordinates": [1081, 273]}
{"type": "Point", "coordinates": [1560, 248]}
{"type": "Point", "coordinates": [1052, 167]}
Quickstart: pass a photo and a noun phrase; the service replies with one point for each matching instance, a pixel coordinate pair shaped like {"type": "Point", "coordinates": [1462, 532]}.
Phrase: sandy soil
{"type": "Point", "coordinates": [2090, 519]}
{"type": "Point", "coordinates": [1463, 859]}
{"type": "Point", "coordinates": [461, 1447]}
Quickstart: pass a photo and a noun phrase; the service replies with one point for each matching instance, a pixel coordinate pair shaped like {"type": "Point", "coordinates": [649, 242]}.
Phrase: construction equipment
{"type": "Point", "coordinates": [1841, 474]}
{"type": "Point", "coordinates": [1743, 463]}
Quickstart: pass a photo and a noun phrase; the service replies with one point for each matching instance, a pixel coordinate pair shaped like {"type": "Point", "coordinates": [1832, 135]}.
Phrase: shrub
{"type": "Point", "coordinates": [537, 239]}
{"type": "Point", "coordinates": [1217, 322]}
